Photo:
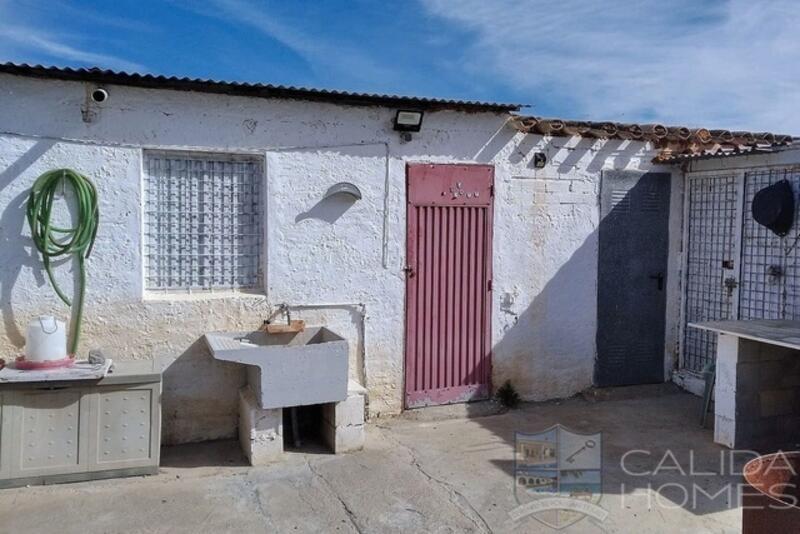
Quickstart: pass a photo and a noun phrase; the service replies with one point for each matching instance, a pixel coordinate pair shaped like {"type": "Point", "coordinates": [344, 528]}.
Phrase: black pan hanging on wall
{"type": "Point", "coordinates": [773, 207]}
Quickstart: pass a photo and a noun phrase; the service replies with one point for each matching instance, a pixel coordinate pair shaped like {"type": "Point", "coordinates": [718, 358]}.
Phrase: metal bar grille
{"type": "Point", "coordinates": [710, 256]}
{"type": "Point", "coordinates": [450, 285]}
{"type": "Point", "coordinates": [770, 279]}
{"type": "Point", "coordinates": [202, 221]}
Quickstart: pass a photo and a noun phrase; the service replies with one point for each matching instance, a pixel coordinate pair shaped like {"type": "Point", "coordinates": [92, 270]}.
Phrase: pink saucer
{"type": "Point", "coordinates": [29, 365]}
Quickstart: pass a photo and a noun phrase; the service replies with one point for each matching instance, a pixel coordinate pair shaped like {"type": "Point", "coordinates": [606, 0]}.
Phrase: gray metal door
{"type": "Point", "coordinates": [632, 270]}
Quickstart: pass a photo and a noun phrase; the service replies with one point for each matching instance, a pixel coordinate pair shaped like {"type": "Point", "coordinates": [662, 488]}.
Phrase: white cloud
{"type": "Point", "coordinates": [330, 60]}
{"type": "Point", "coordinates": [32, 43]}
{"type": "Point", "coordinates": [734, 64]}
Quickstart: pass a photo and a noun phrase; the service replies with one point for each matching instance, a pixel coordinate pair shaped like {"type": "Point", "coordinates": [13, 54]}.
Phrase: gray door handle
{"type": "Point", "coordinates": [660, 278]}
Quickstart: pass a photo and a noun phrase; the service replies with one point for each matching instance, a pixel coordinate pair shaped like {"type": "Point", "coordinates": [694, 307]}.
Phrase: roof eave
{"type": "Point", "coordinates": [257, 90]}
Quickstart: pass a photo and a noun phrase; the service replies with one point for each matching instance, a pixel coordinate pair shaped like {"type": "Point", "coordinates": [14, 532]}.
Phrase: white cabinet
{"type": "Point", "coordinates": [81, 430]}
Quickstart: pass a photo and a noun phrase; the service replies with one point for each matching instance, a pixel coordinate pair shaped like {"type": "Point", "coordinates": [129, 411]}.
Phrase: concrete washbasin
{"type": "Point", "coordinates": [291, 369]}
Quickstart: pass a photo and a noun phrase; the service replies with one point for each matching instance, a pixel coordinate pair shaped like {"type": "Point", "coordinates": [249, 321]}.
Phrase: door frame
{"type": "Point", "coordinates": [487, 319]}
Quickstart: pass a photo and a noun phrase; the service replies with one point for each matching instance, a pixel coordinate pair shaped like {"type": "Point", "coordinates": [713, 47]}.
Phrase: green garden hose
{"type": "Point", "coordinates": [54, 241]}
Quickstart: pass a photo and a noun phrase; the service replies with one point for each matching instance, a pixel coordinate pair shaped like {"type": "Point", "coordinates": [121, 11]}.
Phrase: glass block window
{"type": "Point", "coordinates": [202, 221]}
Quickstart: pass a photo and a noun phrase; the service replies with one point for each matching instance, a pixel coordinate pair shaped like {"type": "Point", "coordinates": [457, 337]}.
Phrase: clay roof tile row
{"type": "Point", "coordinates": [676, 143]}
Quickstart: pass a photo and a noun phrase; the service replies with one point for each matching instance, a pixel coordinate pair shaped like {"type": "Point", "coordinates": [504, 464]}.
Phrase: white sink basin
{"type": "Point", "coordinates": [297, 369]}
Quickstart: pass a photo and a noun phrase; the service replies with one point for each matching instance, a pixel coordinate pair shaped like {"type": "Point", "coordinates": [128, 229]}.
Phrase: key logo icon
{"type": "Point", "coordinates": [558, 476]}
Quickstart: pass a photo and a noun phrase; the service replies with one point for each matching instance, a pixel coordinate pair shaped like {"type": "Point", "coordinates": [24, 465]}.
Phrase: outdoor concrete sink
{"type": "Point", "coordinates": [294, 369]}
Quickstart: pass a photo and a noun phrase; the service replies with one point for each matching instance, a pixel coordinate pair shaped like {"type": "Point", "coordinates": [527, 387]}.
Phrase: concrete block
{"type": "Point", "coordinates": [726, 375]}
{"type": "Point", "coordinates": [343, 426]}
{"type": "Point", "coordinates": [776, 402]}
{"type": "Point", "coordinates": [774, 352]}
{"type": "Point", "coordinates": [689, 382]}
{"type": "Point", "coordinates": [344, 438]}
{"type": "Point", "coordinates": [354, 388]}
{"type": "Point", "coordinates": [749, 351]}
{"type": "Point", "coordinates": [260, 430]}
{"type": "Point", "coordinates": [748, 405]}
{"type": "Point", "coordinates": [350, 438]}
{"type": "Point", "coordinates": [758, 431]}
{"type": "Point", "coordinates": [725, 401]}
{"type": "Point", "coordinates": [724, 430]}
{"type": "Point", "coordinates": [539, 186]}
{"type": "Point", "coordinates": [770, 373]}
{"type": "Point", "coordinates": [348, 412]}
{"type": "Point", "coordinates": [790, 375]}
{"type": "Point", "coordinates": [748, 377]}
{"type": "Point", "coordinates": [727, 359]}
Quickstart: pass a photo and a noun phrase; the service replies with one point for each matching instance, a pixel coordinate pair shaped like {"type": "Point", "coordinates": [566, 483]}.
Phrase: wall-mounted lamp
{"type": "Point", "coordinates": [539, 160]}
{"type": "Point", "coordinates": [408, 121]}
{"type": "Point", "coordinates": [344, 188]}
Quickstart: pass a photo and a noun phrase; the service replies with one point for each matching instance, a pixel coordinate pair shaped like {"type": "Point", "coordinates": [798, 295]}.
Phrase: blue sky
{"type": "Point", "coordinates": [732, 64]}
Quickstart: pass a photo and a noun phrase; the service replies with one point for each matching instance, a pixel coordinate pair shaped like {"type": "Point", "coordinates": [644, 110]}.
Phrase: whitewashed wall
{"type": "Point", "coordinates": [336, 265]}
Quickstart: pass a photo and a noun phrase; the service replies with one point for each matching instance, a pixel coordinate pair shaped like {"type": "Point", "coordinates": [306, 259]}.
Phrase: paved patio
{"type": "Point", "coordinates": [446, 469]}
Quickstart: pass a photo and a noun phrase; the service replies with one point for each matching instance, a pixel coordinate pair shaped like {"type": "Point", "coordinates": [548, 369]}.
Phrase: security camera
{"type": "Point", "coordinates": [99, 95]}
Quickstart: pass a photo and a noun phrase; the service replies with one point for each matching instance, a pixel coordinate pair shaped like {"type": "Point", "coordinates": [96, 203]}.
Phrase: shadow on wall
{"type": "Point", "coordinates": [199, 400]}
{"type": "Point", "coordinates": [496, 143]}
{"type": "Point", "coordinates": [618, 312]}
{"type": "Point", "coordinates": [545, 346]}
{"type": "Point", "coordinates": [328, 209]}
{"type": "Point", "coordinates": [16, 254]}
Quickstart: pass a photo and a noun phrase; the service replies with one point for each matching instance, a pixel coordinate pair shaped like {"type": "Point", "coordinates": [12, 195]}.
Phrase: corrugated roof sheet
{"type": "Point", "coordinates": [677, 143]}
{"type": "Point", "coordinates": [101, 76]}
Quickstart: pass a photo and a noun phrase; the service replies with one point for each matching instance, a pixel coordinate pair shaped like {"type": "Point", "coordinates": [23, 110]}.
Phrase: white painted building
{"type": "Point", "coordinates": [343, 266]}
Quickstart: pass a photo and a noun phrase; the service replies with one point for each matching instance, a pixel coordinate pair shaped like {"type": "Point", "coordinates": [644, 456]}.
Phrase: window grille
{"type": "Point", "coordinates": [202, 221]}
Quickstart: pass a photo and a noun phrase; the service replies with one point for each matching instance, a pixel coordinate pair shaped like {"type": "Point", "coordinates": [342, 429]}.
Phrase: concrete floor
{"type": "Point", "coordinates": [438, 470]}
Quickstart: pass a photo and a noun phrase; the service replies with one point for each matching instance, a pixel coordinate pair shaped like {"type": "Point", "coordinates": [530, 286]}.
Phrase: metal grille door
{"type": "Point", "coordinates": [711, 257]}
{"type": "Point", "coordinates": [770, 280]}
{"type": "Point", "coordinates": [448, 299]}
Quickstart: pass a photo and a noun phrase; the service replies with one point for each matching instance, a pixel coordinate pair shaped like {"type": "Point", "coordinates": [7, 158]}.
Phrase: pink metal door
{"type": "Point", "coordinates": [449, 283]}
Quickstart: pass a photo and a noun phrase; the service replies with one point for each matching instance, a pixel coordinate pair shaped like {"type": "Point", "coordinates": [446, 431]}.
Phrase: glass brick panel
{"type": "Point", "coordinates": [202, 221]}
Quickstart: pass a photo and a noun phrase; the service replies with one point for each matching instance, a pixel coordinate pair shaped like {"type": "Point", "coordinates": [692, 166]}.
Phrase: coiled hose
{"type": "Point", "coordinates": [54, 241]}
